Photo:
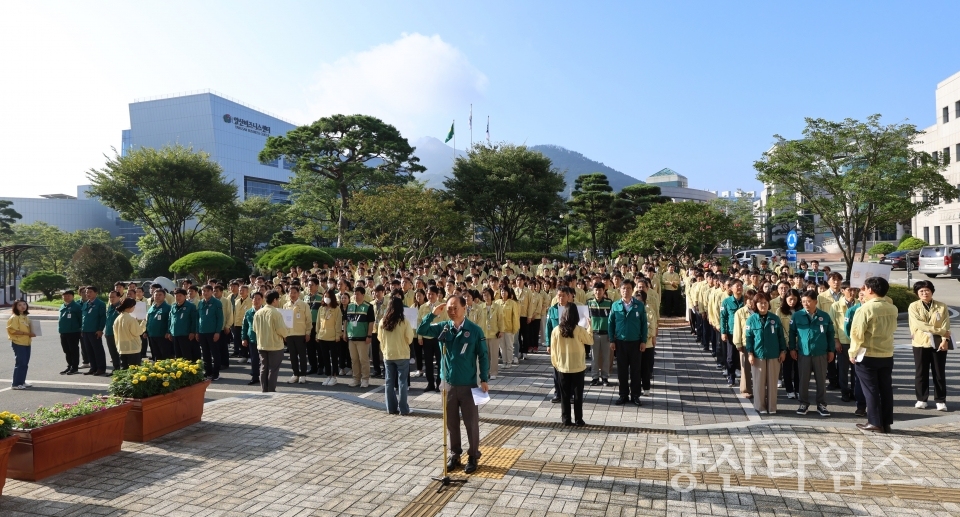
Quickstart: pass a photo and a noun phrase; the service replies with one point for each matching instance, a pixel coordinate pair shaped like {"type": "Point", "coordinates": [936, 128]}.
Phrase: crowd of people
{"type": "Point", "coordinates": [459, 322]}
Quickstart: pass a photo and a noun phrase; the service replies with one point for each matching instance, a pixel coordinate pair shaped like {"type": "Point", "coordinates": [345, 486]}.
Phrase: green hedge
{"type": "Point", "coordinates": [354, 254]}
{"type": "Point", "coordinates": [912, 243]}
{"type": "Point", "coordinates": [287, 256]}
{"type": "Point", "coordinates": [902, 296]}
{"type": "Point", "coordinates": [882, 248]}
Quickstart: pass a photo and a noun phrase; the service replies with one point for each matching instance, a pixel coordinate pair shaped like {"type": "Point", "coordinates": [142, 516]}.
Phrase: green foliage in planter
{"type": "Point", "coordinates": [61, 412]}
{"type": "Point", "coordinates": [149, 379]}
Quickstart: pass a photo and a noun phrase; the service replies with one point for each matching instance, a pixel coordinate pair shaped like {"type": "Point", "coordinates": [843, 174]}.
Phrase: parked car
{"type": "Point", "coordinates": [898, 259]}
{"type": "Point", "coordinates": [745, 257]}
{"type": "Point", "coordinates": [936, 260]}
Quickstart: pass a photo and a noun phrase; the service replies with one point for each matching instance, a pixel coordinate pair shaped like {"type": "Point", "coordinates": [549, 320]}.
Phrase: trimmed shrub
{"type": "Point", "coordinates": [47, 282]}
{"type": "Point", "coordinates": [296, 255]}
{"type": "Point", "coordinates": [882, 248]}
{"type": "Point", "coordinates": [354, 254]}
{"type": "Point", "coordinates": [902, 296]}
{"type": "Point", "coordinates": [912, 243]}
{"type": "Point", "coordinates": [203, 264]}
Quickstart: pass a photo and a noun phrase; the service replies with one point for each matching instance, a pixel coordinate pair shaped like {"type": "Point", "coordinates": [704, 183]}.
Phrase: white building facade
{"type": "Point", "coordinates": [942, 140]}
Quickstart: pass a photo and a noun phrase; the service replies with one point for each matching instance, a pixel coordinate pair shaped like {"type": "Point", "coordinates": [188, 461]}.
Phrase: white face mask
{"type": "Point", "coordinates": [326, 301]}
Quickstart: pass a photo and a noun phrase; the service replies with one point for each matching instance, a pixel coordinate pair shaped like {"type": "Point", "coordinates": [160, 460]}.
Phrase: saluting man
{"type": "Point", "coordinates": [462, 347]}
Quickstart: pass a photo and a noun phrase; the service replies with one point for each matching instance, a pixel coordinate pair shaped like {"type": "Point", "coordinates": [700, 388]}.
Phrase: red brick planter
{"type": "Point", "coordinates": [55, 448]}
{"type": "Point", "coordinates": [161, 414]}
{"type": "Point", "coordinates": [6, 445]}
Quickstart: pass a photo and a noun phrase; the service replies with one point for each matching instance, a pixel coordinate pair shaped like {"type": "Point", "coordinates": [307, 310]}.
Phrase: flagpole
{"type": "Point", "coordinates": [454, 126]}
{"type": "Point", "coordinates": [471, 125]}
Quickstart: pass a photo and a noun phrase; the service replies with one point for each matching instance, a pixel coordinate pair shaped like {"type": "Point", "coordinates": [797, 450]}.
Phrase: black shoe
{"type": "Point", "coordinates": [636, 401]}
{"type": "Point", "coordinates": [860, 412]}
{"type": "Point", "coordinates": [568, 422]}
{"type": "Point", "coordinates": [555, 400]}
{"type": "Point", "coordinates": [871, 428]}
{"type": "Point", "coordinates": [453, 463]}
{"type": "Point", "coordinates": [833, 387]}
{"type": "Point", "coordinates": [606, 382]}
{"type": "Point", "coordinates": [89, 372]}
{"type": "Point", "coordinates": [225, 367]}
{"type": "Point", "coordinates": [73, 371]}
{"type": "Point", "coordinates": [580, 422]}
{"type": "Point", "coordinates": [595, 382]}
{"type": "Point", "coordinates": [620, 401]}
{"type": "Point", "coordinates": [65, 371]}
{"type": "Point", "coordinates": [429, 389]}
{"type": "Point", "coordinates": [394, 412]}
{"type": "Point", "coordinates": [845, 397]}
{"type": "Point", "coordinates": [253, 383]}
{"type": "Point", "coordinates": [471, 465]}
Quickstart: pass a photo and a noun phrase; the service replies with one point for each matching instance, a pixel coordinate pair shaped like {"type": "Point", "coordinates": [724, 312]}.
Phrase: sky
{"type": "Point", "coordinates": [700, 87]}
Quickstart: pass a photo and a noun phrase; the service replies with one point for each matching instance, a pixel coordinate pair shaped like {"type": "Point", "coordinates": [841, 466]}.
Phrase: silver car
{"type": "Point", "coordinates": [935, 260]}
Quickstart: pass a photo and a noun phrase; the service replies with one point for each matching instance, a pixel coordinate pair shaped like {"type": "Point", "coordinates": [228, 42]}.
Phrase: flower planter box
{"type": "Point", "coordinates": [54, 448]}
{"type": "Point", "coordinates": [6, 445]}
{"type": "Point", "coordinates": [156, 416]}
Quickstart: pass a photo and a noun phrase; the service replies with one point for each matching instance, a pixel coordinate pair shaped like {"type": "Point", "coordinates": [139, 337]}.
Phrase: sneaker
{"type": "Point", "coordinates": [354, 384]}
{"type": "Point", "coordinates": [293, 379]}
{"type": "Point", "coordinates": [333, 381]}
{"type": "Point", "coordinates": [247, 361]}
{"type": "Point", "coordinates": [822, 410]}
{"type": "Point", "coordinates": [595, 382]}
{"type": "Point", "coordinates": [348, 371]}
{"type": "Point", "coordinates": [514, 361]}
{"type": "Point", "coordinates": [303, 380]}
{"type": "Point", "coordinates": [920, 405]}
{"type": "Point", "coordinates": [341, 372]}
{"type": "Point", "coordinates": [20, 387]}
{"type": "Point", "coordinates": [365, 383]}
{"type": "Point", "coordinates": [493, 377]}
{"type": "Point", "coordinates": [217, 378]}
{"type": "Point", "coordinates": [27, 385]}
{"type": "Point", "coordinates": [779, 384]}
{"type": "Point", "coordinates": [941, 406]}
{"type": "Point", "coordinates": [802, 410]}
{"type": "Point", "coordinates": [606, 382]}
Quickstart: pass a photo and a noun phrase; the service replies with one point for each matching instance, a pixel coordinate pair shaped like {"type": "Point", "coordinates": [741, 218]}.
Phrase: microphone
{"type": "Point", "coordinates": [443, 332]}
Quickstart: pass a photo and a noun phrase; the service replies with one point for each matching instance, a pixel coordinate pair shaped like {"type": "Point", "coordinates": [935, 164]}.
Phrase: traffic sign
{"type": "Point", "coordinates": [791, 255]}
{"type": "Point", "coordinates": [792, 240]}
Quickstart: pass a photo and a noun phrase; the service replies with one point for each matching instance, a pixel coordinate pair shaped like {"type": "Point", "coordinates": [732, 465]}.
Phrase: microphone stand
{"type": "Point", "coordinates": [445, 480]}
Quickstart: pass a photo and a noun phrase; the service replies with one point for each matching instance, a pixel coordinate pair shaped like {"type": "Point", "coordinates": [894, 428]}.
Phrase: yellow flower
{"type": "Point", "coordinates": [1, 422]}
{"type": "Point", "coordinates": [143, 377]}
{"type": "Point", "coordinates": [165, 384]}
{"type": "Point", "coordinates": [134, 381]}
{"type": "Point", "coordinates": [178, 374]}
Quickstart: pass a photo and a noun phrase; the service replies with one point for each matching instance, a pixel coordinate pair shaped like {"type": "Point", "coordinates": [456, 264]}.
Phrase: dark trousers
{"type": "Point", "coordinates": [185, 348]}
{"type": "Point", "coordinates": [791, 375]}
{"type": "Point", "coordinates": [533, 333]}
{"type": "Point", "coordinates": [70, 343]}
{"type": "Point", "coordinates": [161, 348]}
{"type": "Point", "coordinates": [926, 360]}
{"type": "Point", "coordinates": [416, 352]}
{"type": "Point", "coordinates": [714, 335]}
{"type": "Point", "coordinates": [691, 317]}
{"type": "Point", "coordinates": [269, 362]}
{"type": "Point", "coordinates": [522, 337]}
{"type": "Point", "coordinates": [460, 403]}
{"type": "Point", "coordinates": [628, 368]}
{"type": "Point", "coordinates": [833, 372]}
{"type": "Point", "coordinates": [94, 351]}
{"type": "Point", "coordinates": [313, 352]}
{"type": "Point", "coordinates": [297, 347]}
{"type": "Point", "coordinates": [114, 354]}
{"type": "Point", "coordinates": [344, 354]}
{"type": "Point", "coordinates": [238, 348]}
{"type": "Point", "coordinates": [128, 359]}
{"type": "Point", "coordinates": [211, 355]}
{"type": "Point", "coordinates": [375, 358]}
{"type": "Point", "coordinates": [431, 359]}
{"type": "Point", "coordinates": [143, 348]}
{"type": "Point", "coordinates": [732, 360]}
{"type": "Point", "coordinates": [571, 391]}
{"type": "Point", "coordinates": [672, 304]}
{"type": "Point", "coordinates": [646, 367]}
{"type": "Point", "coordinates": [876, 380]}
{"type": "Point", "coordinates": [21, 360]}
{"type": "Point", "coordinates": [255, 362]}
{"type": "Point", "coordinates": [858, 391]}
{"type": "Point", "coordinates": [844, 370]}
{"type": "Point", "coordinates": [328, 357]}
{"type": "Point", "coordinates": [722, 346]}
{"type": "Point", "coordinates": [224, 347]}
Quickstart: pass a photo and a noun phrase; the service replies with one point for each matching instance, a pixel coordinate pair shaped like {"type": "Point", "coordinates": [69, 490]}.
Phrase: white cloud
{"type": "Point", "coordinates": [414, 83]}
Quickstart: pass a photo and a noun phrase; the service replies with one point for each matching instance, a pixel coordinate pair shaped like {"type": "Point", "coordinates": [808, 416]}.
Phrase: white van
{"type": "Point", "coordinates": [745, 257]}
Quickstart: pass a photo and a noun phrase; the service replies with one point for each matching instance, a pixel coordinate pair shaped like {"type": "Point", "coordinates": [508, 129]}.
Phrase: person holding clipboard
{"type": "Point", "coordinates": [21, 334]}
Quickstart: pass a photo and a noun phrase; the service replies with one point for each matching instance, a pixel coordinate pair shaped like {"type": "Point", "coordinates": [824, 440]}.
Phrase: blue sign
{"type": "Point", "coordinates": [792, 240]}
{"type": "Point", "coordinates": [791, 255]}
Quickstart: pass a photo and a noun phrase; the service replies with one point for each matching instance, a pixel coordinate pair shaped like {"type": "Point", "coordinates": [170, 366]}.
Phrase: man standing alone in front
{"type": "Point", "coordinates": [627, 328]}
{"type": "Point", "coordinates": [871, 348]}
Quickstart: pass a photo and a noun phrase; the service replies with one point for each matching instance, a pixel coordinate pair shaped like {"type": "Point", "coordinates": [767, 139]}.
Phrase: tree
{"type": "Point", "coordinates": [591, 201]}
{"type": "Point", "coordinates": [58, 246]}
{"type": "Point", "coordinates": [283, 238]}
{"type": "Point", "coordinates": [856, 176]}
{"type": "Point", "coordinates": [406, 222]}
{"type": "Point", "coordinates": [507, 190]}
{"type": "Point", "coordinates": [172, 192]}
{"type": "Point", "coordinates": [245, 228]}
{"type": "Point", "coordinates": [352, 152]}
{"type": "Point", "coordinates": [292, 255]}
{"type": "Point", "coordinates": [47, 282]}
{"type": "Point", "coordinates": [743, 229]}
{"type": "Point", "coordinates": [678, 228]}
{"type": "Point", "coordinates": [99, 266]}
{"type": "Point", "coordinates": [203, 264]}
{"type": "Point", "coordinates": [8, 216]}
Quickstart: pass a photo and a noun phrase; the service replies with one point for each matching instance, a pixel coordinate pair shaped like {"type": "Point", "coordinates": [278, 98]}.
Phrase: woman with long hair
{"type": "Point", "coordinates": [568, 355]}
{"type": "Point", "coordinates": [791, 370]}
{"type": "Point", "coordinates": [329, 332]}
{"type": "Point", "coordinates": [490, 318]}
{"type": "Point", "coordinates": [18, 330]}
{"type": "Point", "coordinates": [395, 334]}
{"type": "Point", "coordinates": [511, 322]}
{"type": "Point", "coordinates": [419, 299]}
{"type": "Point", "coordinates": [343, 347]}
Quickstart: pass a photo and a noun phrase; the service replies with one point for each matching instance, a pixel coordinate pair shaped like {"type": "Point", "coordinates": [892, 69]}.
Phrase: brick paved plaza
{"type": "Point", "coordinates": [694, 448]}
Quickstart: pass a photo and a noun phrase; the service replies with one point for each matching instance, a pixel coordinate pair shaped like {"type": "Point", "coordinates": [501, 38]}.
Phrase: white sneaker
{"type": "Point", "coordinates": [422, 373]}
{"type": "Point", "coordinates": [303, 380]}
{"type": "Point", "coordinates": [293, 379]}
{"type": "Point", "coordinates": [341, 372]}
{"type": "Point", "coordinates": [333, 381]}
{"type": "Point", "coordinates": [920, 405]}
{"type": "Point", "coordinates": [779, 384]}
{"type": "Point", "coordinates": [364, 383]}
{"type": "Point", "coordinates": [941, 406]}
{"type": "Point", "coordinates": [354, 384]}
{"type": "Point", "coordinates": [20, 387]}
{"type": "Point", "coordinates": [791, 395]}
{"type": "Point", "coordinates": [493, 377]}
{"type": "Point", "coordinates": [27, 385]}
{"type": "Point", "coordinates": [514, 361]}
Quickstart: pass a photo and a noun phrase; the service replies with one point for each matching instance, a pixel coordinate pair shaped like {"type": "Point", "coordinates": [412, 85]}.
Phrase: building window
{"type": "Point", "coordinates": [946, 114]}
{"type": "Point", "coordinates": [949, 234]}
{"type": "Point", "coordinates": [926, 234]}
{"type": "Point", "coordinates": [272, 163]}
{"type": "Point", "coordinates": [274, 190]}
{"type": "Point", "coordinates": [288, 163]}
{"type": "Point", "coordinates": [936, 235]}
{"type": "Point", "coordinates": [936, 156]}
{"type": "Point", "coordinates": [956, 109]}
{"type": "Point", "coordinates": [946, 156]}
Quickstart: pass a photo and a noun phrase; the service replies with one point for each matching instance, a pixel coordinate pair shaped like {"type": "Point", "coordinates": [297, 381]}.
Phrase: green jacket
{"type": "Point", "coordinates": [71, 316]}
{"type": "Point", "coordinates": [623, 325]}
{"type": "Point", "coordinates": [112, 315]}
{"type": "Point", "coordinates": [94, 316]}
{"type": "Point", "coordinates": [553, 320]}
{"type": "Point", "coordinates": [210, 316]}
{"type": "Point", "coordinates": [464, 350]}
{"type": "Point", "coordinates": [848, 317]}
{"type": "Point", "coordinates": [158, 320]}
{"type": "Point", "coordinates": [728, 308]}
{"type": "Point", "coordinates": [246, 331]}
{"type": "Point", "coordinates": [359, 319]}
{"type": "Point", "coordinates": [812, 334]}
{"type": "Point", "coordinates": [765, 339]}
{"type": "Point", "coordinates": [183, 319]}
{"type": "Point", "coordinates": [599, 312]}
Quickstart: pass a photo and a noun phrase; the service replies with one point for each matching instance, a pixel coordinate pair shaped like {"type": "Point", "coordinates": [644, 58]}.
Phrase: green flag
{"type": "Point", "coordinates": [450, 134]}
